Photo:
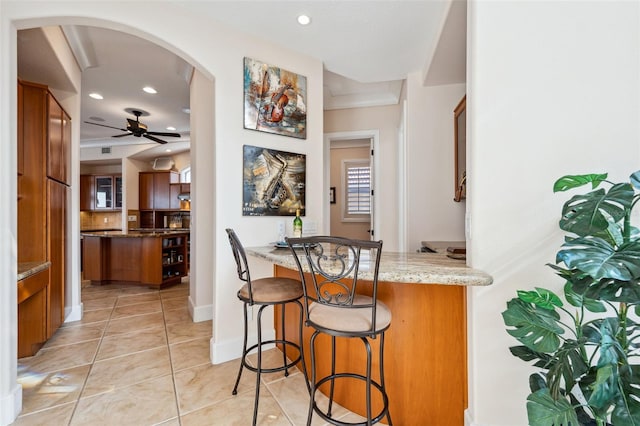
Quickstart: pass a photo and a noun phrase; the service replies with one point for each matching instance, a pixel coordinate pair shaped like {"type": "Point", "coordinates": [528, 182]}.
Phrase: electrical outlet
{"type": "Point", "coordinates": [131, 218]}
{"type": "Point", "coordinates": [281, 230]}
{"type": "Point", "coordinates": [106, 220]}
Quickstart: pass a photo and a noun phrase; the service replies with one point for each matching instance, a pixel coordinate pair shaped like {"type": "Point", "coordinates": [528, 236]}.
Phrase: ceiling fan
{"type": "Point", "coordinates": [138, 129]}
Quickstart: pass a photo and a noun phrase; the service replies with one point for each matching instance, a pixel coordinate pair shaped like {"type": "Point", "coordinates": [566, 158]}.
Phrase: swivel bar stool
{"type": "Point", "coordinates": [336, 305]}
{"type": "Point", "coordinates": [265, 292]}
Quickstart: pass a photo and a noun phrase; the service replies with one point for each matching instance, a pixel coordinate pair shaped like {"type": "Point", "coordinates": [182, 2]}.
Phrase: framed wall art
{"type": "Point", "coordinates": [273, 182]}
{"type": "Point", "coordinates": [274, 100]}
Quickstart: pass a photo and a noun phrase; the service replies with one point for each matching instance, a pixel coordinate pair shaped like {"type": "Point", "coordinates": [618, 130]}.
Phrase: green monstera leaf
{"type": "Point", "coordinates": [627, 410]}
{"type": "Point", "coordinates": [535, 328]}
{"type": "Point", "coordinates": [543, 410]}
{"type": "Point", "coordinates": [599, 259]}
{"type": "Point", "coordinates": [568, 182]}
{"type": "Point", "coordinates": [583, 214]}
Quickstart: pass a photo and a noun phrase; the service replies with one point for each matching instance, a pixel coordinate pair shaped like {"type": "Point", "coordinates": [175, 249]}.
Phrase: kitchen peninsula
{"type": "Point", "coordinates": [426, 345]}
{"type": "Point", "coordinates": [155, 258]}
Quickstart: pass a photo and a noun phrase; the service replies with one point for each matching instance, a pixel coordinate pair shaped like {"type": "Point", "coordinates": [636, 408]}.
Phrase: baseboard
{"type": "Point", "coordinates": [232, 349]}
{"type": "Point", "coordinates": [200, 313]}
{"type": "Point", "coordinates": [468, 421]}
{"type": "Point", "coordinates": [73, 313]}
{"type": "Point", "coordinates": [11, 406]}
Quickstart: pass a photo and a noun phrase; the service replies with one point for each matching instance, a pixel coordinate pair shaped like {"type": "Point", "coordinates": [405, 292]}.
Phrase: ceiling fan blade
{"type": "Point", "coordinates": [104, 125]}
{"type": "Point", "coordinates": [122, 135]}
{"type": "Point", "coordinates": [154, 138]}
{"type": "Point", "coordinates": [173, 135]}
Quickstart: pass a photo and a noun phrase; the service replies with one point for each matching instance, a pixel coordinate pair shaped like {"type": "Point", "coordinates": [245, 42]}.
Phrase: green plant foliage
{"type": "Point", "coordinates": [588, 352]}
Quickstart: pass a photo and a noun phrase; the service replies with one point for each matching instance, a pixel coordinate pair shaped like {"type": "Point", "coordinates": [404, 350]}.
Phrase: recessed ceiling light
{"type": "Point", "coordinates": [186, 110]}
{"type": "Point", "coordinates": [150, 89]}
{"type": "Point", "coordinates": [96, 96]}
{"type": "Point", "coordinates": [171, 128]}
{"type": "Point", "coordinates": [304, 20]}
{"type": "Point", "coordinates": [167, 150]}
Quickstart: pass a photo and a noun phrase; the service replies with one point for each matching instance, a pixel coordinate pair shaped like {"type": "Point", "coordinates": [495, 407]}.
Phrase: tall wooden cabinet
{"type": "Point", "coordinates": [155, 196]}
{"type": "Point", "coordinates": [44, 170]}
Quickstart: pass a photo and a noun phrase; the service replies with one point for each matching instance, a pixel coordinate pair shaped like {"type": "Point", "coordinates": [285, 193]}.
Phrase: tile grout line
{"type": "Point", "coordinates": [95, 355]}
{"type": "Point", "coordinates": [173, 376]}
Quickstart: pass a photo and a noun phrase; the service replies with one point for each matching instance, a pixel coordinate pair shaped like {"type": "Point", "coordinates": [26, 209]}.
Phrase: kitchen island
{"type": "Point", "coordinates": [156, 258]}
{"type": "Point", "coordinates": [425, 346]}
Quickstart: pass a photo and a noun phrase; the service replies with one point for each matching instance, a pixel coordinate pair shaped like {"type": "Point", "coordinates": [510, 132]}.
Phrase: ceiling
{"type": "Point", "coordinates": [368, 48]}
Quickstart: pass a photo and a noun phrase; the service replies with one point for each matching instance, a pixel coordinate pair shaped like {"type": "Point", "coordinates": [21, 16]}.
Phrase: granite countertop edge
{"type": "Point", "coordinates": [410, 268]}
{"type": "Point", "coordinates": [134, 234]}
{"type": "Point", "coordinates": [27, 269]}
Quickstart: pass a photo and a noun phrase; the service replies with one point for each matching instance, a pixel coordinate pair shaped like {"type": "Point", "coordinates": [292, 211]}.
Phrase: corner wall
{"type": "Point", "coordinates": [431, 212]}
{"type": "Point", "coordinates": [554, 89]}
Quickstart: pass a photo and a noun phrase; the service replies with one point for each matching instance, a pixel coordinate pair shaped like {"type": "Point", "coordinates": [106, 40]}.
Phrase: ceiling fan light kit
{"type": "Point", "coordinates": [138, 129]}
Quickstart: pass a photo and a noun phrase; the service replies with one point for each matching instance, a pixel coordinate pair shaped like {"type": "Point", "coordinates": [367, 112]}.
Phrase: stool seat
{"type": "Point", "coordinates": [272, 290]}
{"type": "Point", "coordinates": [357, 320]}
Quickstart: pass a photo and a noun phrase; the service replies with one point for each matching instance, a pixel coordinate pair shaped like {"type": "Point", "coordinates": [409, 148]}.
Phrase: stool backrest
{"type": "Point", "coordinates": [334, 266]}
{"type": "Point", "coordinates": [241, 260]}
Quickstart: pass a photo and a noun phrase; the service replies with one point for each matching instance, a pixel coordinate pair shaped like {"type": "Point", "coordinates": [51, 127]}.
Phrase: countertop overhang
{"type": "Point", "coordinates": [135, 234]}
{"type": "Point", "coordinates": [419, 268]}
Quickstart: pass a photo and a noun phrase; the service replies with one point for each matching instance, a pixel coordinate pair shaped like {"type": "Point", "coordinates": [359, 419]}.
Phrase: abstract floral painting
{"type": "Point", "coordinates": [273, 182]}
{"type": "Point", "coordinates": [274, 100]}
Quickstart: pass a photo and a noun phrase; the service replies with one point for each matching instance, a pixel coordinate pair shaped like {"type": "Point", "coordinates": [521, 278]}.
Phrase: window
{"type": "Point", "coordinates": [185, 175]}
{"type": "Point", "coordinates": [357, 184]}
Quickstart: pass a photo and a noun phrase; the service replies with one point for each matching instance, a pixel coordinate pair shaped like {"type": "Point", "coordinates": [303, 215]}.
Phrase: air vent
{"type": "Point", "coordinates": [106, 150]}
{"type": "Point", "coordinates": [163, 163]}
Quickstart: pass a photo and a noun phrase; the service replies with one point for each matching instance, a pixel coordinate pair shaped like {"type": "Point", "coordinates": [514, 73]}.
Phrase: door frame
{"type": "Point", "coordinates": [372, 134]}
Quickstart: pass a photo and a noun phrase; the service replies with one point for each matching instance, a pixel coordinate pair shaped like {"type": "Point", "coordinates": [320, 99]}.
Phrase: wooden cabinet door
{"type": "Point", "coordinates": [174, 202]}
{"type": "Point", "coordinates": [117, 192]}
{"type": "Point", "coordinates": [86, 193]}
{"type": "Point", "coordinates": [20, 133]}
{"type": "Point", "coordinates": [65, 170]}
{"type": "Point", "coordinates": [56, 230]}
{"type": "Point", "coordinates": [31, 185]}
{"type": "Point", "coordinates": [103, 193]}
{"type": "Point", "coordinates": [55, 158]}
{"type": "Point", "coordinates": [162, 190]}
{"type": "Point", "coordinates": [145, 191]}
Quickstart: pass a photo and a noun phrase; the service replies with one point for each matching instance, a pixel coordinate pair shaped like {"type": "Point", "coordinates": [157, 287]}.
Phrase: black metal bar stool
{"type": "Point", "coordinates": [265, 292]}
{"type": "Point", "coordinates": [335, 308]}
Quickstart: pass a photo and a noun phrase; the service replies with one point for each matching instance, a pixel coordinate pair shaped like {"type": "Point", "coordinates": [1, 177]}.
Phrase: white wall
{"type": "Point", "coordinates": [553, 89]}
{"type": "Point", "coordinates": [216, 52]}
{"type": "Point", "coordinates": [432, 213]}
{"type": "Point", "coordinates": [386, 120]}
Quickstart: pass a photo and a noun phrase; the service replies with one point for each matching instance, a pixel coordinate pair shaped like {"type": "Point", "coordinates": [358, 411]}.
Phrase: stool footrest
{"type": "Point", "coordinates": [284, 343]}
{"type": "Point", "coordinates": [375, 419]}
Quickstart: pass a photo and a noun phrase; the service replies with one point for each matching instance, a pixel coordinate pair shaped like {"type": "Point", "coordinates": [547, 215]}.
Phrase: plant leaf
{"type": "Point", "coordinates": [627, 409]}
{"type": "Point", "coordinates": [599, 259]}
{"type": "Point", "coordinates": [615, 290]}
{"type": "Point", "coordinates": [574, 181]}
{"type": "Point", "coordinates": [582, 214]}
{"type": "Point", "coordinates": [579, 299]}
{"type": "Point", "coordinates": [536, 328]}
{"type": "Point", "coordinates": [526, 354]}
{"type": "Point", "coordinates": [541, 297]}
{"type": "Point", "coordinates": [607, 386]}
{"type": "Point", "coordinates": [543, 410]}
{"type": "Point", "coordinates": [635, 179]}
{"type": "Point", "coordinates": [567, 366]}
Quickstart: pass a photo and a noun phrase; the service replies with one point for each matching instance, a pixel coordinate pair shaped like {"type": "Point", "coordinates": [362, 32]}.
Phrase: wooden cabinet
{"type": "Point", "coordinates": [31, 183]}
{"type": "Point", "coordinates": [44, 138]}
{"type": "Point", "coordinates": [32, 313]}
{"type": "Point", "coordinates": [175, 190]}
{"type": "Point", "coordinates": [155, 195]}
{"type": "Point", "coordinates": [86, 193]}
{"type": "Point", "coordinates": [56, 236]}
{"type": "Point", "coordinates": [100, 193]}
{"type": "Point", "coordinates": [58, 142]}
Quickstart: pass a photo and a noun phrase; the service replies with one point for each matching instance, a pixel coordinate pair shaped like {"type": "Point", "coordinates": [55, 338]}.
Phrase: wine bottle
{"type": "Point", "coordinates": [297, 225]}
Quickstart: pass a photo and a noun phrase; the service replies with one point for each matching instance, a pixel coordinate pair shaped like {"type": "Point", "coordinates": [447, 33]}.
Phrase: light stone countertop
{"type": "Point", "coordinates": [27, 269]}
{"type": "Point", "coordinates": [135, 234]}
{"type": "Point", "coordinates": [420, 268]}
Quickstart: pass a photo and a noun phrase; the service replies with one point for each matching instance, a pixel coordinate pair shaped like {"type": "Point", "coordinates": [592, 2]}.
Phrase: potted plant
{"type": "Point", "coordinates": [587, 347]}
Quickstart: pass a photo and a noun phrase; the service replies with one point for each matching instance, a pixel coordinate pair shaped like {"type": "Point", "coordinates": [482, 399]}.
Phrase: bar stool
{"type": "Point", "coordinates": [335, 308]}
{"type": "Point", "coordinates": [265, 292]}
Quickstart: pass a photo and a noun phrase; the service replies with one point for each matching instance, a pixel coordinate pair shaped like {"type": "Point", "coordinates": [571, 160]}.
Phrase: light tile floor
{"type": "Point", "coordinates": [136, 358]}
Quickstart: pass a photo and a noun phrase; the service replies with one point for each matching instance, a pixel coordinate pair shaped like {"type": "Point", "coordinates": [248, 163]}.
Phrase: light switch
{"type": "Point", "coordinates": [131, 218]}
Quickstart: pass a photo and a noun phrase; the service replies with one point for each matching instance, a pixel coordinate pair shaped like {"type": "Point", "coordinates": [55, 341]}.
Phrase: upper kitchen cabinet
{"type": "Point", "coordinates": [102, 192]}
{"type": "Point", "coordinates": [58, 142]}
{"type": "Point", "coordinates": [155, 190]}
